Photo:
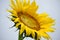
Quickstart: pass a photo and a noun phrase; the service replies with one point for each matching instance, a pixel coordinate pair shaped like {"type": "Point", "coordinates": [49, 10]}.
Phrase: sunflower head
{"type": "Point", "coordinates": [28, 21]}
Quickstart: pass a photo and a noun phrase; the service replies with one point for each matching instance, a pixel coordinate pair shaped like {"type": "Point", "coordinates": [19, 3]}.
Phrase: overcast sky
{"type": "Point", "coordinates": [52, 7]}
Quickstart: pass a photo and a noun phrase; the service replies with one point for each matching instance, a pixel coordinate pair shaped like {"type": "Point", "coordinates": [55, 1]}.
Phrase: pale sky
{"type": "Point", "coordinates": [52, 7]}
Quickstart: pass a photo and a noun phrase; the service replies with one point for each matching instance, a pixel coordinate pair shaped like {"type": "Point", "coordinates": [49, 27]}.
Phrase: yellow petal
{"type": "Point", "coordinates": [48, 29]}
{"type": "Point", "coordinates": [22, 29]}
{"type": "Point", "coordinates": [28, 31]}
{"type": "Point", "coordinates": [14, 13]}
{"type": "Point", "coordinates": [25, 3]}
{"type": "Point", "coordinates": [12, 2]}
{"type": "Point", "coordinates": [28, 2]}
{"type": "Point", "coordinates": [47, 25]}
{"type": "Point", "coordinates": [33, 34]}
{"type": "Point", "coordinates": [46, 20]}
{"type": "Point", "coordinates": [13, 5]}
{"type": "Point", "coordinates": [42, 15]}
{"type": "Point", "coordinates": [45, 35]}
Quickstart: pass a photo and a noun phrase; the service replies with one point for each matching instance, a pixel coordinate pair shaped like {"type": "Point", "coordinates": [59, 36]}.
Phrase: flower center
{"type": "Point", "coordinates": [29, 21]}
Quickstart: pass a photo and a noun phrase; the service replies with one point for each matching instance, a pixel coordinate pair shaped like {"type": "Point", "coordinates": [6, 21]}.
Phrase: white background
{"type": "Point", "coordinates": [52, 7]}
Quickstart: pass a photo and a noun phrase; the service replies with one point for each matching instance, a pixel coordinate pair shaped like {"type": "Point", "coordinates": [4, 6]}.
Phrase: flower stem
{"type": "Point", "coordinates": [20, 37]}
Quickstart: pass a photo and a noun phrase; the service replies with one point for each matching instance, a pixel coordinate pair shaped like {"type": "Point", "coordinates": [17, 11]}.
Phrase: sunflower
{"type": "Point", "coordinates": [28, 21]}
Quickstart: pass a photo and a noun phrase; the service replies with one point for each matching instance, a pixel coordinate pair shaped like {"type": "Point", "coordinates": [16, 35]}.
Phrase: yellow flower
{"type": "Point", "coordinates": [31, 23]}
